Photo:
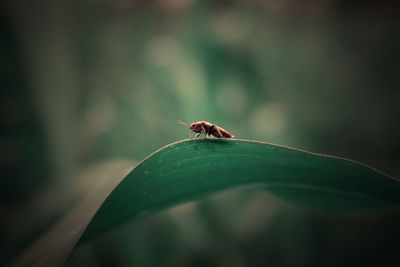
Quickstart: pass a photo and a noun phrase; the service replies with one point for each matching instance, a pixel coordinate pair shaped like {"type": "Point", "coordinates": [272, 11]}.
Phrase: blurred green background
{"type": "Point", "coordinates": [86, 83]}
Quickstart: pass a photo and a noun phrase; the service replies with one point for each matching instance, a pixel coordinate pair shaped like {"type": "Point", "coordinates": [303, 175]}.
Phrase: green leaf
{"type": "Point", "coordinates": [191, 169]}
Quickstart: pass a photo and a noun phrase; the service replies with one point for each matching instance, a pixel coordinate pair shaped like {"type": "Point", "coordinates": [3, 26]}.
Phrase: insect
{"type": "Point", "coordinates": [207, 129]}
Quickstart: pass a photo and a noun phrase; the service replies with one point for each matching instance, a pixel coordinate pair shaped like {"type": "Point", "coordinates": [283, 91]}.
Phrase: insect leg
{"type": "Point", "coordinates": [210, 130]}
{"type": "Point", "coordinates": [218, 131]}
{"type": "Point", "coordinates": [197, 135]}
{"type": "Point", "coordinates": [203, 130]}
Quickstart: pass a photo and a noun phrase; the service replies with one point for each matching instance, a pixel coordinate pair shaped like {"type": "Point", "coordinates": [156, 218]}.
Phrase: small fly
{"type": "Point", "coordinates": [207, 129]}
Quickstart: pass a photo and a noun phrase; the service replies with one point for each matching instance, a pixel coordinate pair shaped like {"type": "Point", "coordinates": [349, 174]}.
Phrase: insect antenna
{"type": "Point", "coordinates": [184, 123]}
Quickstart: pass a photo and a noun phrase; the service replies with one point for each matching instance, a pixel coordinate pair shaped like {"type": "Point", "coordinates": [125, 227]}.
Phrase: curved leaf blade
{"type": "Point", "coordinates": [190, 169]}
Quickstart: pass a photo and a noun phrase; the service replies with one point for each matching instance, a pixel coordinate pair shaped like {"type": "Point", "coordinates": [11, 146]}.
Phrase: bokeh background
{"type": "Point", "coordinates": [88, 83]}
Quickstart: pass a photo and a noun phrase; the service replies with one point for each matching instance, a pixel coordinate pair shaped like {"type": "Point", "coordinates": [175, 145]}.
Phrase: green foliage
{"type": "Point", "coordinates": [189, 170]}
{"type": "Point", "coordinates": [193, 169]}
